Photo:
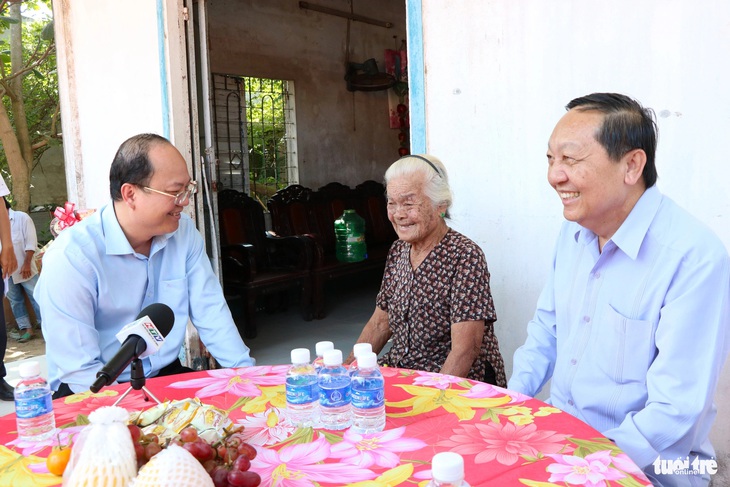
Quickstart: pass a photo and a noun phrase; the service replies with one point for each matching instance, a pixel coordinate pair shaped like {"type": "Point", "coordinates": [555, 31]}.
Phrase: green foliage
{"type": "Point", "coordinates": [47, 32]}
{"type": "Point", "coordinates": [6, 21]}
{"type": "Point", "coordinates": [266, 133]}
{"type": "Point", "coordinates": [40, 85]}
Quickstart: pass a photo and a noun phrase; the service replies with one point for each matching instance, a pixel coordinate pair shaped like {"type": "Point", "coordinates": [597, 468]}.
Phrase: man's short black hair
{"type": "Point", "coordinates": [626, 126]}
{"type": "Point", "coordinates": [132, 164]}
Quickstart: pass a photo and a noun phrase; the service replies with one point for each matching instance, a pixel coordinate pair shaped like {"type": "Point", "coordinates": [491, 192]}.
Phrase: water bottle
{"type": "Point", "coordinates": [357, 350]}
{"type": "Point", "coordinates": [335, 412]}
{"type": "Point", "coordinates": [368, 396]}
{"type": "Point", "coordinates": [447, 470]}
{"type": "Point", "coordinates": [302, 391]}
{"type": "Point", "coordinates": [33, 404]}
{"type": "Point", "coordinates": [319, 349]}
{"type": "Point", "coordinates": [350, 237]}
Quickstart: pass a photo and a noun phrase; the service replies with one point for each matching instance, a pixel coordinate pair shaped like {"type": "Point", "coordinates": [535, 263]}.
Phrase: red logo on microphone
{"type": "Point", "coordinates": [153, 332]}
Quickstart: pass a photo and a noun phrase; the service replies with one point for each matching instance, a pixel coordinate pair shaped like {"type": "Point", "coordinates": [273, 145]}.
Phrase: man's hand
{"type": "Point", "coordinates": [25, 270]}
{"type": "Point", "coordinates": [8, 261]}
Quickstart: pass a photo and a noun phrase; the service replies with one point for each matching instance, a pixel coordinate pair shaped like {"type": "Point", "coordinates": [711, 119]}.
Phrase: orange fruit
{"type": "Point", "coordinates": [58, 459]}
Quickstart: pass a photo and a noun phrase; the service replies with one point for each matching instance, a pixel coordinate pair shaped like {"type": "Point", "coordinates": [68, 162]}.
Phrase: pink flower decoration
{"type": "Point", "coordinates": [62, 436]}
{"type": "Point", "coordinates": [300, 466]}
{"type": "Point", "coordinates": [505, 443]}
{"type": "Point", "coordinates": [379, 449]}
{"type": "Point", "coordinates": [389, 371]}
{"type": "Point", "coordinates": [266, 428]}
{"type": "Point", "coordinates": [439, 381]}
{"type": "Point", "coordinates": [591, 471]}
{"type": "Point", "coordinates": [482, 390]}
{"type": "Point", "coordinates": [70, 408]}
{"type": "Point", "coordinates": [622, 462]}
{"type": "Point", "coordinates": [241, 382]}
{"type": "Point", "coordinates": [39, 468]}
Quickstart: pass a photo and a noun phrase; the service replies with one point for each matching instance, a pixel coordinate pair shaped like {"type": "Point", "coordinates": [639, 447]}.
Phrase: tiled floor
{"type": "Point", "coordinates": [349, 306]}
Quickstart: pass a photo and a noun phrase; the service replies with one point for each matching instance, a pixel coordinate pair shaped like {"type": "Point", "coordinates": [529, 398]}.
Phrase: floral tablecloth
{"type": "Point", "coordinates": [506, 439]}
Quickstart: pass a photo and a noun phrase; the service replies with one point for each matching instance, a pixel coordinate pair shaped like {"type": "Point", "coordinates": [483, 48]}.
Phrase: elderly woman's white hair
{"type": "Point", "coordinates": [436, 180]}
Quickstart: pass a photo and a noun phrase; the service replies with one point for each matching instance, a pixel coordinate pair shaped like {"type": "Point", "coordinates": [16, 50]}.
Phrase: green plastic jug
{"type": "Point", "coordinates": [350, 237]}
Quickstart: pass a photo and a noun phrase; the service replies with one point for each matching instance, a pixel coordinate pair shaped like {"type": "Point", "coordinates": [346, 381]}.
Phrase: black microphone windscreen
{"type": "Point", "coordinates": [161, 316]}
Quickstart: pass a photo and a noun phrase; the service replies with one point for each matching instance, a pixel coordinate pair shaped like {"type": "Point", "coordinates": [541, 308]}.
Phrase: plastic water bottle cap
{"type": "Point", "coordinates": [447, 467]}
{"type": "Point", "coordinates": [300, 356]}
{"type": "Point", "coordinates": [332, 357]}
{"type": "Point", "coordinates": [29, 369]}
{"type": "Point", "coordinates": [361, 349]}
{"type": "Point", "coordinates": [367, 360]}
{"type": "Point", "coordinates": [322, 347]}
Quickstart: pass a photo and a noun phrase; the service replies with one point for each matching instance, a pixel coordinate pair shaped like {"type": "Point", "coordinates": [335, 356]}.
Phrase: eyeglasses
{"type": "Point", "coordinates": [180, 198]}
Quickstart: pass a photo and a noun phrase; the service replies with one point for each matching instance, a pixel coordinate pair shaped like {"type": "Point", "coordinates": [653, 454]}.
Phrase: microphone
{"type": "Point", "coordinates": [139, 339]}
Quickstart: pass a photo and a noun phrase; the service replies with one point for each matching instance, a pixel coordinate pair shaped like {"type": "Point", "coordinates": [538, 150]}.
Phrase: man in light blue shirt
{"type": "Point", "coordinates": [138, 250]}
{"type": "Point", "coordinates": [633, 323]}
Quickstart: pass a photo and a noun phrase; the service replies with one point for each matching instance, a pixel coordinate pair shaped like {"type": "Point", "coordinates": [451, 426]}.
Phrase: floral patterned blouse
{"type": "Point", "coordinates": [451, 285]}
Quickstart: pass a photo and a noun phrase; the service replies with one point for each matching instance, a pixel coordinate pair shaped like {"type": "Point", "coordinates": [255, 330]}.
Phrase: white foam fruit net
{"type": "Point", "coordinates": [173, 467]}
{"type": "Point", "coordinates": [104, 452]}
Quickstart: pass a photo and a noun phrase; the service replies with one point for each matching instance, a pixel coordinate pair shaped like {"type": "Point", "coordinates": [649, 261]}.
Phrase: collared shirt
{"type": "Point", "coordinates": [24, 236]}
{"type": "Point", "coordinates": [93, 283]}
{"type": "Point", "coordinates": [635, 337]}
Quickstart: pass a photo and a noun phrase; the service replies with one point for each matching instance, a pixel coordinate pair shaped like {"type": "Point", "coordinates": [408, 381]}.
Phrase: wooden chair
{"type": "Point", "coordinates": [257, 264]}
{"type": "Point", "coordinates": [312, 213]}
{"type": "Point", "coordinates": [289, 209]}
{"type": "Point", "coordinates": [379, 232]}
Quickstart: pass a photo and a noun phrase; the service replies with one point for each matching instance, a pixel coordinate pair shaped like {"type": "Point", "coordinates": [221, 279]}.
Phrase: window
{"type": "Point", "coordinates": [255, 134]}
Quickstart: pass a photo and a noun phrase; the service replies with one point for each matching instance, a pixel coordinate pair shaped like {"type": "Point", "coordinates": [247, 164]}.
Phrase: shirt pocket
{"type": "Point", "coordinates": [18, 242]}
{"type": "Point", "coordinates": [174, 293]}
{"type": "Point", "coordinates": [623, 348]}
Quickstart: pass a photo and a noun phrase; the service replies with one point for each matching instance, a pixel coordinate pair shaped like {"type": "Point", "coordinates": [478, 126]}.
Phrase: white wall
{"type": "Point", "coordinates": [122, 71]}
{"type": "Point", "coordinates": [114, 84]}
{"type": "Point", "coordinates": [498, 74]}
{"type": "Point", "coordinates": [341, 135]}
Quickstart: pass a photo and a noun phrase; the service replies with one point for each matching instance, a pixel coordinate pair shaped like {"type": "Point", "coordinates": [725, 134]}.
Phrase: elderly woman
{"type": "Point", "coordinates": [434, 301]}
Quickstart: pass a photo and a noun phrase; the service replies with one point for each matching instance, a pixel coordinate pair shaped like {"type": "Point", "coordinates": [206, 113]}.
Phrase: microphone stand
{"type": "Point", "coordinates": [137, 382]}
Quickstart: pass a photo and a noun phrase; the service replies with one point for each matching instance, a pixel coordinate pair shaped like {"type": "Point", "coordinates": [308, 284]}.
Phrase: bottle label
{"type": "Point", "coordinates": [367, 398]}
{"type": "Point", "coordinates": [334, 398]}
{"type": "Point", "coordinates": [32, 408]}
{"type": "Point", "coordinates": [302, 394]}
{"type": "Point", "coordinates": [355, 238]}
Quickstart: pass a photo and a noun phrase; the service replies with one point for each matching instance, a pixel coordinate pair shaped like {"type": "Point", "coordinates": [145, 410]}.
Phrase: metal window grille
{"type": "Point", "coordinates": [255, 134]}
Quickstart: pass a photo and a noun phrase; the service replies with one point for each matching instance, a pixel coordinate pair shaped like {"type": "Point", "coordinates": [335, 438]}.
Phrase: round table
{"type": "Point", "coordinates": [505, 438]}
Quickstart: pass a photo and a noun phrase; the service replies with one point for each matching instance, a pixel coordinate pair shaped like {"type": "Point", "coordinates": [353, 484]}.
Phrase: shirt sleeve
{"type": "Point", "coordinates": [534, 362]}
{"type": "Point", "coordinates": [692, 342]}
{"type": "Point", "coordinates": [382, 299]}
{"type": "Point", "coordinates": [29, 234]}
{"type": "Point", "coordinates": [471, 297]}
{"type": "Point", "coordinates": [66, 292]}
{"type": "Point", "coordinates": [209, 311]}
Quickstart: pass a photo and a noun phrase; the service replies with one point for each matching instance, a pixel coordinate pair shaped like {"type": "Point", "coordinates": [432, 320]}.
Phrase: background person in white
{"type": "Point", "coordinates": [25, 242]}
{"type": "Point", "coordinates": [9, 263]}
{"type": "Point", "coordinates": [138, 250]}
{"type": "Point", "coordinates": [633, 324]}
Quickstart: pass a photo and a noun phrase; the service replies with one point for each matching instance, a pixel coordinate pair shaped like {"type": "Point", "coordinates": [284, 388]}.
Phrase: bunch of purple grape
{"type": "Point", "coordinates": [227, 461]}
